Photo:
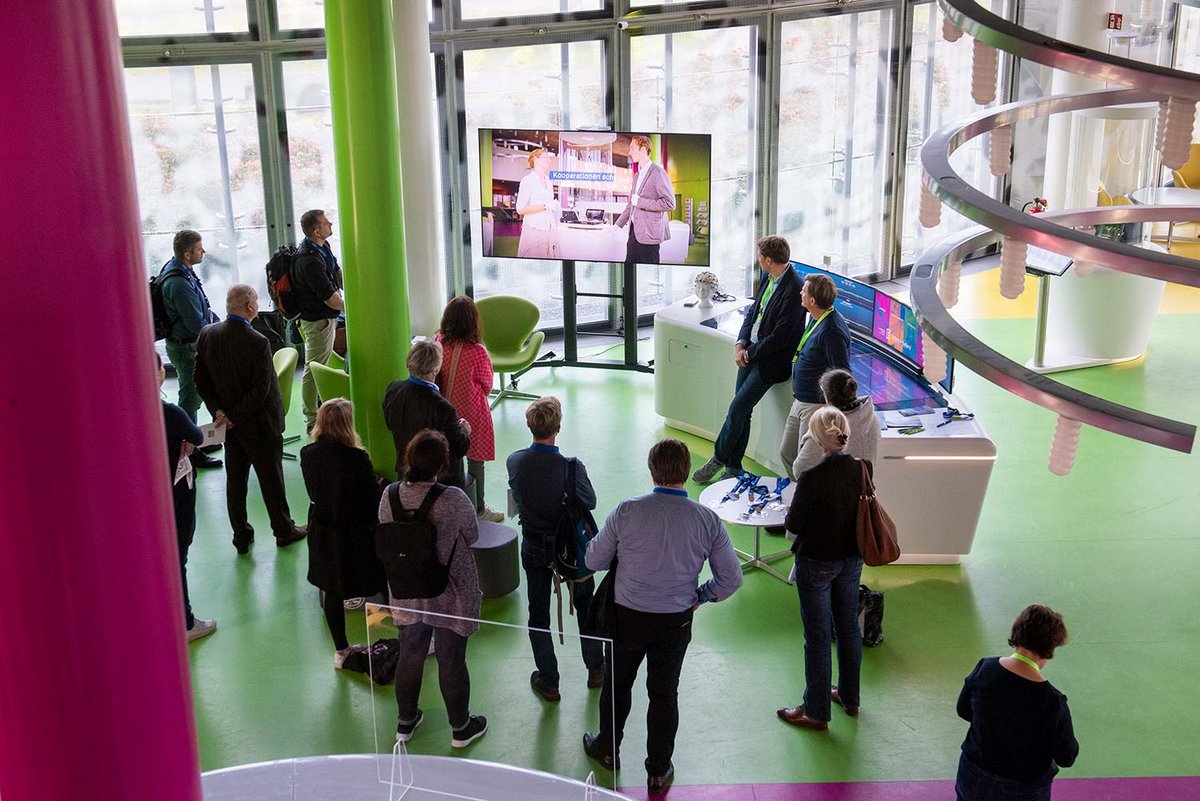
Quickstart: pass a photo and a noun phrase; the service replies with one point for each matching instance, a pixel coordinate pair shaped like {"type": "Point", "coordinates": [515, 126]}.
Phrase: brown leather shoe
{"type": "Point", "coordinates": [836, 697]}
{"type": "Point", "coordinates": [795, 716]}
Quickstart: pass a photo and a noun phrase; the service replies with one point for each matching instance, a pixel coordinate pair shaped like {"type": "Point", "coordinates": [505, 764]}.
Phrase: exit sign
{"type": "Point", "coordinates": [1115, 22]}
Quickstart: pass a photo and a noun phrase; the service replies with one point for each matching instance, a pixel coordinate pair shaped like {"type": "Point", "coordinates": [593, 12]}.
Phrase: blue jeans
{"type": "Point", "coordinates": [735, 433]}
{"type": "Point", "coordinates": [829, 592]}
{"type": "Point", "coordinates": [182, 356]}
{"type": "Point", "coordinates": [976, 784]}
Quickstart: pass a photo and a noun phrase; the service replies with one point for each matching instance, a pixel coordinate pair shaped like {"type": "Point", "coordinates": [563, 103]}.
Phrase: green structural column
{"type": "Point", "coordinates": [366, 137]}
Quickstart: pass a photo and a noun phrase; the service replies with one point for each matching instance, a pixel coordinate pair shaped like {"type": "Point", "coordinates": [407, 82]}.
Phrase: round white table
{"type": "Point", "coordinates": [737, 511]}
{"type": "Point", "coordinates": [369, 777]}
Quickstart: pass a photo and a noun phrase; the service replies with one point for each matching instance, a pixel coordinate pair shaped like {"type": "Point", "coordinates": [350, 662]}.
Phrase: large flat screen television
{"type": "Point", "coordinates": [596, 196]}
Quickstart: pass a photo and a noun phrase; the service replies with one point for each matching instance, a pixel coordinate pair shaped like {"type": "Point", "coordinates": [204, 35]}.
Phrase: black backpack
{"type": "Point", "coordinates": [575, 530]}
{"type": "Point", "coordinates": [407, 546]}
{"type": "Point", "coordinates": [280, 285]}
{"type": "Point", "coordinates": [163, 321]}
{"type": "Point", "coordinates": [378, 661]}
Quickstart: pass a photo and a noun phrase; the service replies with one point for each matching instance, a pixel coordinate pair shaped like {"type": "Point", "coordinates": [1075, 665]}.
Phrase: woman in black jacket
{"type": "Point", "coordinates": [341, 518]}
{"type": "Point", "coordinates": [823, 517]}
{"type": "Point", "coordinates": [1021, 731]}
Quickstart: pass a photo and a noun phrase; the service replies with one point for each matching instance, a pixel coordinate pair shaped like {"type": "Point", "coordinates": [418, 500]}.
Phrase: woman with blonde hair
{"type": "Point", "coordinates": [342, 517]}
{"type": "Point", "coordinates": [823, 516]}
{"type": "Point", "coordinates": [535, 207]}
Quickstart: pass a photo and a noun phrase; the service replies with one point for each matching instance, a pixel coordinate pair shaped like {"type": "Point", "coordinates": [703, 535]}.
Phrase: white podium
{"type": "Point", "coordinates": [932, 483]}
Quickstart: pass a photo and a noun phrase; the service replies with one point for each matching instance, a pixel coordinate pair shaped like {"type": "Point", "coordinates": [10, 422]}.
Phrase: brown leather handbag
{"type": "Point", "coordinates": [876, 532]}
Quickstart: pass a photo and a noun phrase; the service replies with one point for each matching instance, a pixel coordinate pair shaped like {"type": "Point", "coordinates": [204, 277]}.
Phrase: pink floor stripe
{"type": "Point", "coordinates": [1115, 789]}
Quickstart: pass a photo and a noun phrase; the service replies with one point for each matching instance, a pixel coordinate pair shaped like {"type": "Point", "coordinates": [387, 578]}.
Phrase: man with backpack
{"type": "Point", "coordinates": [317, 283]}
{"type": "Point", "coordinates": [187, 310]}
{"type": "Point", "coordinates": [537, 476]}
{"type": "Point", "coordinates": [661, 541]}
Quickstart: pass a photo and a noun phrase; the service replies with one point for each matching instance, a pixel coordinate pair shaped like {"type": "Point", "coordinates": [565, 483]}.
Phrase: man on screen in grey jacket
{"type": "Point", "coordinates": [651, 199]}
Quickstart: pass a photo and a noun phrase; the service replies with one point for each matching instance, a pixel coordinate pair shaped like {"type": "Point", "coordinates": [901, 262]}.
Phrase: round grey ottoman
{"type": "Point", "coordinates": [498, 559]}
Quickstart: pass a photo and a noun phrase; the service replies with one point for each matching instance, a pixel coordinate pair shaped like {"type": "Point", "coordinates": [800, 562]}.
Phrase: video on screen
{"type": "Point", "coordinates": [596, 196]}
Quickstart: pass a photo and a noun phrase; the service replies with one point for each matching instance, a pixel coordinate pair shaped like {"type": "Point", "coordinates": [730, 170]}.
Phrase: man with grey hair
{"type": "Point", "coordinates": [236, 379]}
{"type": "Point", "coordinates": [416, 403]}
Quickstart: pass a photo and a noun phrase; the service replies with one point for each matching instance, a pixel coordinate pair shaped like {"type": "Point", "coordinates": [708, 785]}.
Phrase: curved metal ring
{"type": "Point", "coordinates": [1012, 38]}
{"type": "Point", "coordinates": [1037, 229]}
{"type": "Point", "coordinates": [1016, 378]}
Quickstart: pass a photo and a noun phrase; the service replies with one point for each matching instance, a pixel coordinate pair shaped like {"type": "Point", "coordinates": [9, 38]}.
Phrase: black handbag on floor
{"type": "Point", "coordinates": [870, 615]}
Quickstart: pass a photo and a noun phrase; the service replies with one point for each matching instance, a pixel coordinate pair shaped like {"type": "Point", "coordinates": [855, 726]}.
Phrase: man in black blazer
{"type": "Point", "coordinates": [236, 379]}
{"type": "Point", "coordinates": [416, 403]}
{"type": "Point", "coordinates": [763, 354]}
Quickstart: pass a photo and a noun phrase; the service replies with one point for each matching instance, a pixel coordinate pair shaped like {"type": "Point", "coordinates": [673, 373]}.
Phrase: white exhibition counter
{"type": "Point", "coordinates": [932, 483]}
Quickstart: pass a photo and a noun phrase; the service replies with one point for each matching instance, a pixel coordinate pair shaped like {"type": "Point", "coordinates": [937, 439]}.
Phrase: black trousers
{"type": "Point", "coordinates": [638, 253]}
{"type": "Point", "coordinates": [539, 583]}
{"type": "Point", "coordinates": [451, 652]}
{"type": "Point", "coordinates": [185, 530]}
{"type": "Point", "coordinates": [662, 641]}
{"type": "Point", "coordinates": [335, 619]}
{"type": "Point", "coordinates": [265, 455]}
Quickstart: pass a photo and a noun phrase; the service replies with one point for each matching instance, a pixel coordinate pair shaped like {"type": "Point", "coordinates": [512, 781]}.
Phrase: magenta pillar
{"type": "Point", "coordinates": [95, 699]}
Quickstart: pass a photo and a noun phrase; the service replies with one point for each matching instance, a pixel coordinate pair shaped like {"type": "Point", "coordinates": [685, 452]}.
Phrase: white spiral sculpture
{"type": "Point", "coordinates": [1012, 268]}
{"type": "Point", "coordinates": [931, 208]}
{"type": "Point", "coordinates": [948, 283]}
{"type": "Point", "coordinates": [985, 67]}
{"type": "Point", "coordinates": [1177, 140]}
{"type": "Point", "coordinates": [1000, 149]}
{"type": "Point", "coordinates": [935, 360]}
{"type": "Point", "coordinates": [1064, 446]}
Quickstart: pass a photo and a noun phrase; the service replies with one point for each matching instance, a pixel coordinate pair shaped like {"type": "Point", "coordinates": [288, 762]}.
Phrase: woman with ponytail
{"type": "Point", "coordinates": [823, 517]}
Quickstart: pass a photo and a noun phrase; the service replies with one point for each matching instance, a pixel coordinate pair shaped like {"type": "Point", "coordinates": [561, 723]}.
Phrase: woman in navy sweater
{"type": "Point", "coordinates": [1021, 729]}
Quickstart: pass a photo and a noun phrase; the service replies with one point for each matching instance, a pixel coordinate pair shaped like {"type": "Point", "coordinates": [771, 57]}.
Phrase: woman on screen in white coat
{"type": "Point", "coordinates": [535, 205]}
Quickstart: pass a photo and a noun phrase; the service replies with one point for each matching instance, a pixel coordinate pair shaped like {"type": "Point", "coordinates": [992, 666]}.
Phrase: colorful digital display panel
{"type": "Point", "coordinates": [895, 325]}
{"type": "Point", "coordinates": [880, 318]}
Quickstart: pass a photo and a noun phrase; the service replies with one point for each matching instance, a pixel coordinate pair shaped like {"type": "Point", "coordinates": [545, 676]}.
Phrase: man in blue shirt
{"type": "Point", "coordinates": [763, 354]}
{"type": "Point", "coordinates": [188, 308]}
{"type": "Point", "coordinates": [537, 476]}
{"type": "Point", "coordinates": [824, 345]}
{"type": "Point", "coordinates": [661, 541]}
{"type": "Point", "coordinates": [317, 278]}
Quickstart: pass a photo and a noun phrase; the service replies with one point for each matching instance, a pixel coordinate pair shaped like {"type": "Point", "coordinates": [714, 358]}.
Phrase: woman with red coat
{"type": "Point", "coordinates": [465, 380]}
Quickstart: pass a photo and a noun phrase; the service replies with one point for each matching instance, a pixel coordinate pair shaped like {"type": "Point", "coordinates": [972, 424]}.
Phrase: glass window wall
{"type": "Point", "coordinates": [198, 165]}
{"type": "Point", "coordinates": [546, 86]}
{"type": "Point", "coordinates": [180, 17]}
{"type": "Point", "coordinates": [939, 94]}
{"type": "Point", "coordinates": [310, 144]}
{"type": "Point", "coordinates": [703, 82]}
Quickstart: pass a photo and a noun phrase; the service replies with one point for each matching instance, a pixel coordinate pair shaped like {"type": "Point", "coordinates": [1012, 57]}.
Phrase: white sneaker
{"type": "Point", "coordinates": [339, 657]}
{"type": "Point", "coordinates": [491, 515]}
{"type": "Point", "coordinates": [201, 627]}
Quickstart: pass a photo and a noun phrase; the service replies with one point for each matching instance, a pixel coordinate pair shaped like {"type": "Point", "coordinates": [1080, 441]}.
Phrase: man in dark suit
{"type": "Point", "coordinates": [651, 198]}
{"type": "Point", "coordinates": [236, 379]}
{"type": "Point", "coordinates": [416, 403]}
{"type": "Point", "coordinates": [763, 353]}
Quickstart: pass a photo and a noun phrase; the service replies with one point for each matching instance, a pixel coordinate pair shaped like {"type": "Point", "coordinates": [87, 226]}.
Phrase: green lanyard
{"type": "Point", "coordinates": [762, 307]}
{"type": "Point", "coordinates": [1026, 660]}
{"type": "Point", "coordinates": [813, 327]}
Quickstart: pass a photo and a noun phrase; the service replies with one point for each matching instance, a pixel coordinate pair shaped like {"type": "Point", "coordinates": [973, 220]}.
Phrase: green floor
{"type": "Point", "coordinates": [1115, 546]}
